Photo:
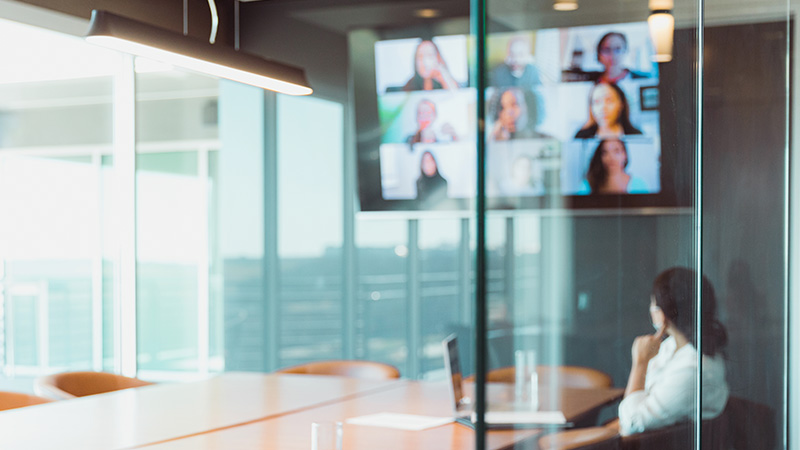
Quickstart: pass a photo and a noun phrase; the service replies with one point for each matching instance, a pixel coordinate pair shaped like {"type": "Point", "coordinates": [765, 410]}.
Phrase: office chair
{"type": "Point", "coordinates": [575, 377]}
{"type": "Point", "coordinates": [369, 370]}
{"type": "Point", "coordinates": [63, 386]}
{"type": "Point", "coordinates": [13, 400]}
{"type": "Point", "coordinates": [568, 376]}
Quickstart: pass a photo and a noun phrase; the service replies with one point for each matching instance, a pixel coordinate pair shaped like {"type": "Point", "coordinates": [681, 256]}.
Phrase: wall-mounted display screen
{"type": "Point", "coordinates": [572, 116]}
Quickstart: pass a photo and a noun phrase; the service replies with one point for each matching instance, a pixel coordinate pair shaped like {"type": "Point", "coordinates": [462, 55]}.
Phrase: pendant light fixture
{"type": "Point", "coordinates": [662, 28]}
{"type": "Point", "coordinates": [131, 36]}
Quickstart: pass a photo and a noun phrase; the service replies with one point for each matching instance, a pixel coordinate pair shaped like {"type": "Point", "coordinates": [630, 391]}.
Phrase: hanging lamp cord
{"type": "Point", "coordinates": [212, 5]}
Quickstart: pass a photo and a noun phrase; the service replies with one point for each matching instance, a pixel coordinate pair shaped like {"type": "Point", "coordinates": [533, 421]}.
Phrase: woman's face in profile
{"type": "Point", "coordinates": [613, 154]}
{"type": "Point", "coordinates": [612, 52]}
{"type": "Point", "coordinates": [427, 59]}
{"type": "Point", "coordinates": [606, 105]}
{"type": "Point", "coordinates": [509, 109]}
{"type": "Point", "coordinates": [428, 165]}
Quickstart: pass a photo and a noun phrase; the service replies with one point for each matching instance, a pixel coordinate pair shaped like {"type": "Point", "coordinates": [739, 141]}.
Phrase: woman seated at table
{"type": "Point", "coordinates": [661, 387]}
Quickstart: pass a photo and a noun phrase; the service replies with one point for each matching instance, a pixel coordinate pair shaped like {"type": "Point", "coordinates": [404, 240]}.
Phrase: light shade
{"type": "Point", "coordinates": [565, 5]}
{"type": "Point", "coordinates": [131, 36]}
{"type": "Point", "coordinates": [662, 26]}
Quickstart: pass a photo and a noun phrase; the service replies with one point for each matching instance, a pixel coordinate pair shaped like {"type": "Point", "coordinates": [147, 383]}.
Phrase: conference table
{"type": "Point", "coordinates": [265, 411]}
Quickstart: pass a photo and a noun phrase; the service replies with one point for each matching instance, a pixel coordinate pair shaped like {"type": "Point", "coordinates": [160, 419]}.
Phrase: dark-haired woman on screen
{"type": "Point", "coordinates": [430, 70]}
{"type": "Point", "coordinates": [661, 388]}
{"type": "Point", "coordinates": [431, 185]}
{"type": "Point", "coordinates": [609, 114]}
{"type": "Point", "coordinates": [607, 174]}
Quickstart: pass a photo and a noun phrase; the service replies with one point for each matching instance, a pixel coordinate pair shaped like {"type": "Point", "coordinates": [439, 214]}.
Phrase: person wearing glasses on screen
{"type": "Point", "coordinates": [661, 388]}
{"type": "Point", "coordinates": [430, 70]}
{"type": "Point", "coordinates": [612, 50]}
{"type": "Point", "coordinates": [609, 113]}
{"type": "Point", "coordinates": [607, 174]}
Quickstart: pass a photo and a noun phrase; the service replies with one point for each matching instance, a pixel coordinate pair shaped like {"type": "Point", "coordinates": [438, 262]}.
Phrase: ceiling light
{"type": "Point", "coordinates": [131, 36]}
{"type": "Point", "coordinates": [427, 13]}
{"type": "Point", "coordinates": [565, 5]}
{"type": "Point", "coordinates": [662, 27]}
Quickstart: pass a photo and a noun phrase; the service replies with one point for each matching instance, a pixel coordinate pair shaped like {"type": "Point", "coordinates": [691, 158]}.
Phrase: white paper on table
{"type": "Point", "coordinates": [525, 417]}
{"type": "Point", "coordinates": [411, 422]}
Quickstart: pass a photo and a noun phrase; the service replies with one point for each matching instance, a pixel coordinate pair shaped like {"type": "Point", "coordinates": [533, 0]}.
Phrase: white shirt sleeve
{"type": "Point", "coordinates": [669, 395]}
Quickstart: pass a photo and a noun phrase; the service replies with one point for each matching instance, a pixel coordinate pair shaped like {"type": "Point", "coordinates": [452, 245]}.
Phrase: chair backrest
{"type": "Point", "coordinates": [567, 376]}
{"type": "Point", "coordinates": [752, 425]}
{"type": "Point", "coordinates": [346, 368]}
{"type": "Point", "coordinates": [13, 400]}
{"type": "Point", "coordinates": [715, 435]}
{"type": "Point", "coordinates": [593, 438]}
{"type": "Point", "coordinates": [68, 385]}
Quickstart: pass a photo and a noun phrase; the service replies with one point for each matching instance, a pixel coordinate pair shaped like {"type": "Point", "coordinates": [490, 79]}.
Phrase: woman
{"type": "Point", "coordinates": [512, 117]}
{"type": "Point", "coordinates": [426, 134]}
{"type": "Point", "coordinates": [431, 185]}
{"type": "Point", "coordinates": [430, 70]}
{"type": "Point", "coordinates": [661, 387]}
{"type": "Point", "coordinates": [612, 49]}
{"type": "Point", "coordinates": [608, 114]}
{"type": "Point", "coordinates": [607, 175]}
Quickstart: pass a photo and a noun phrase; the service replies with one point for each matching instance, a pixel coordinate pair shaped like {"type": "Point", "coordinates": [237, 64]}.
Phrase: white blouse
{"type": "Point", "coordinates": [669, 393]}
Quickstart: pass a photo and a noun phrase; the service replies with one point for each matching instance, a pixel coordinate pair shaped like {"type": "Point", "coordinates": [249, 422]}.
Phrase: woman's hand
{"type": "Point", "coordinates": [643, 350]}
{"type": "Point", "coordinates": [646, 347]}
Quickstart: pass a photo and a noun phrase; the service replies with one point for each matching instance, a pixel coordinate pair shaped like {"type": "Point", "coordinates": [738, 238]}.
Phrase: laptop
{"type": "Point", "coordinates": [498, 415]}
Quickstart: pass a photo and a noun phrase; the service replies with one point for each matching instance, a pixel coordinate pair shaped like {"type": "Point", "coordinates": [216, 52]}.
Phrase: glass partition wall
{"type": "Point", "coordinates": [668, 162]}
{"type": "Point", "coordinates": [261, 231]}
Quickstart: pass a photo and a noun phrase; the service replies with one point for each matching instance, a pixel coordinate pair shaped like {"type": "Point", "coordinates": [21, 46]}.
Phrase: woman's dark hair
{"type": "Point", "coordinates": [608, 35]}
{"type": "Point", "coordinates": [597, 173]}
{"type": "Point", "coordinates": [674, 293]}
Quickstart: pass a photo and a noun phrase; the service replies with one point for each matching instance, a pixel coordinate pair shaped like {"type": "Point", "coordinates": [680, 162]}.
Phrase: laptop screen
{"type": "Point", "coordinates": [453, 368]}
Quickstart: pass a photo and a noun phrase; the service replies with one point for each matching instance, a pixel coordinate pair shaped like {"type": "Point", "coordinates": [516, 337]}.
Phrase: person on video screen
{"type": "Point", "coordinates": [431, 185]}
{"type": "Point", "coordinates": [426, 133]}
{"type": "Point", "coordinates": [607, 175]}
{"type": "Point", "coordinates": [662, 385]}
{"type": "Point", "coordinates": [612, 50]}
{"type": "Point", "coordinates": [513, 119]}
{"type": "Point", "coordinates": [517, 69]}
{"type": "Point", "coordinates": [430, 70]}
{"type": "Point", "coordinates": [609, 114]}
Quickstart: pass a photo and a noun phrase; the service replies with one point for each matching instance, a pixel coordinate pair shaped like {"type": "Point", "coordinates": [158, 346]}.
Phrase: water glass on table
{"type": "Point", "coordinates": [526, 380]}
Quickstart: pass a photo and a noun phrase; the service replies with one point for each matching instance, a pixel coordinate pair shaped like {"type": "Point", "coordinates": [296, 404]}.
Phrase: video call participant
{"type": "Point", "coordinates": [426, 133]}
{"type": "Point", "coordinates": [431, 185]}
{"type": "Point", "coordinates": [513, 119]}
{"type": "Point", "coordinates": [518, 68]}
{"type": "Point", "coordinates": [609, 114]}
{"type": "Point", "coordinates": [607, 175]}
{"type": "Point", "coordinates": [430, 70]}
{"type": "Point", "coordinates": [612, 49]}
{"type": "Point", "coordinates": [661, 387]}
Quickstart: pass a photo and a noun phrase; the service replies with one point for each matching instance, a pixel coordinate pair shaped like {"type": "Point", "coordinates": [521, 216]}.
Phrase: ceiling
{"type": "Point", "coordinates": [343, 15]}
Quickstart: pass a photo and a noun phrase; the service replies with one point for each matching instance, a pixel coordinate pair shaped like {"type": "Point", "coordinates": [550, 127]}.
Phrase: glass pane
{"type": "Point", "coordinates": [56, 252]}
{"type": "Point", "coordinates": [178, 306]}
{"type": "Point", "coordinates": [310, 230]}
{"type": "Point", "coordinates": [382, 318]}
{"type": "Point", "coordinates": [170, 245]}
{"type": "Point", "coordinates": [591, 145]}
{"type": "Point", "coordinates": [743, 225]}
